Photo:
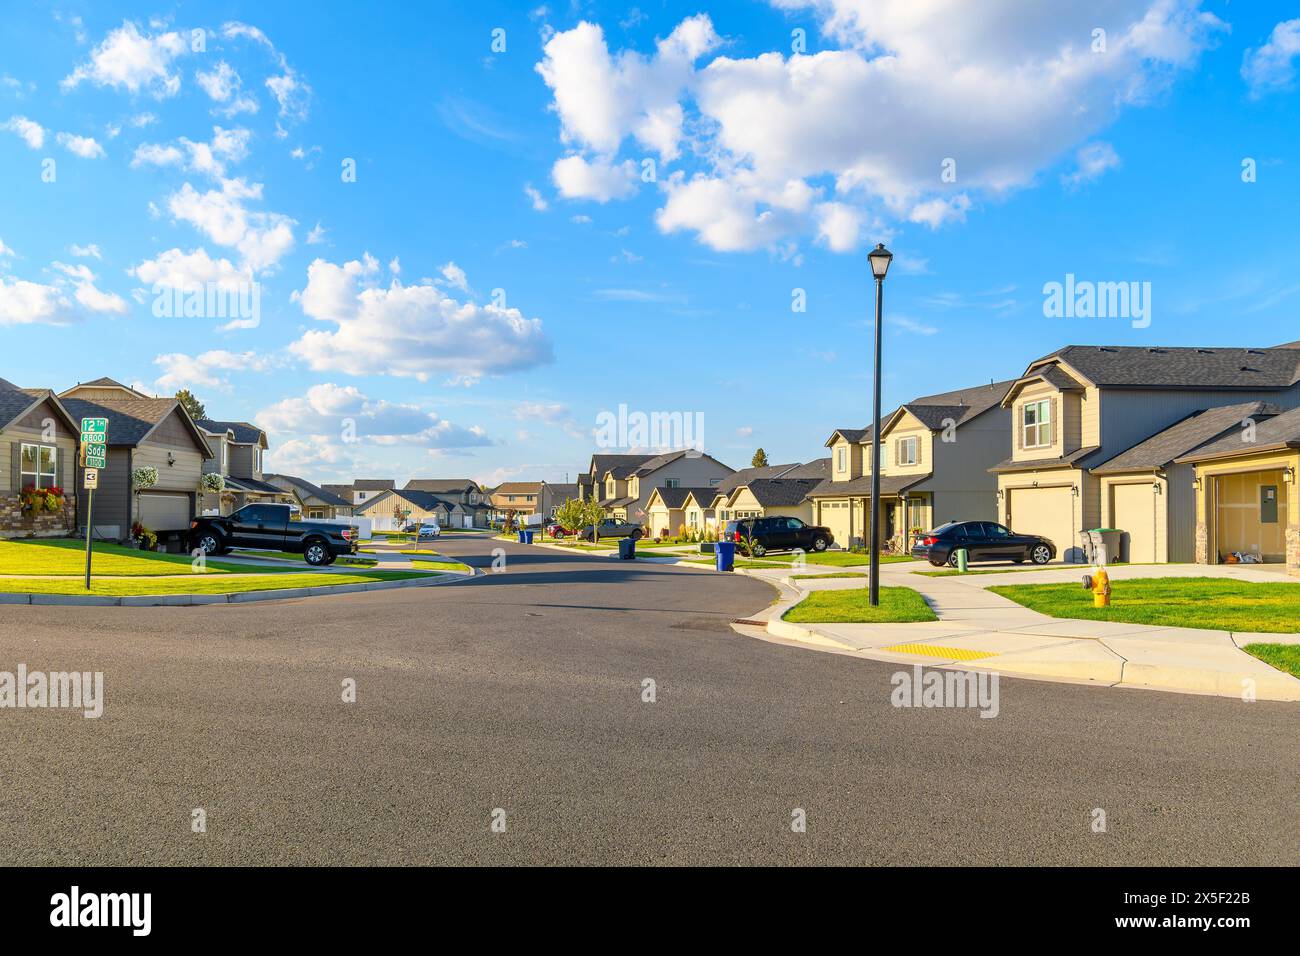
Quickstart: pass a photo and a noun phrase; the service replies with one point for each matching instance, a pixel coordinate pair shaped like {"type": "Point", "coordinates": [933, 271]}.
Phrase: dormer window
{"type": "Point", "coordinates": [1037, 423]}
{"type": "Point", "coordinates": [842, 458]}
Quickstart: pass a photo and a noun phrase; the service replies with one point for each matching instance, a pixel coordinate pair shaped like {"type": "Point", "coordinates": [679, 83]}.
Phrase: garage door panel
{"type": "Point", "coordinates": [1133, 511]}
{"type": "Point", "coordinates": [835, 515]}
{"type": "Point", "coordinates": [1048, 512]}
{"type": "Point", "coordinates": [160, 512]}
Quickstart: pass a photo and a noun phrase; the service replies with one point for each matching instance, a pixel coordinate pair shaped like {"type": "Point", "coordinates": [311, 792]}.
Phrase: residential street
{"type": "Point", "coordinates": [523, 691]}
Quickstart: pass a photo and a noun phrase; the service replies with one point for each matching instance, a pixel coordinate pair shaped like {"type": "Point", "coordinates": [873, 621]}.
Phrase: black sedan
{"type": "Point", "coordinates": [983, 541]}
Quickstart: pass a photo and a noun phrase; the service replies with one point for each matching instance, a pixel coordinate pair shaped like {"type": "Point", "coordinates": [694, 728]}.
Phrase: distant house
{"type": "Point", "coordinates": [666, 511]}
{"type": "Point", "coordinates": [238, 449]}
{"type": "Point", "coordinates": [472, 498]}
{"type": "Point", "coordinates": [314, 501]}
{"type": "Point", "coordinates": [555, 494]}
{"type": "Point", "coordinates": [624, 483]}
{"type": "Point", "coordinates": [38, 449]}
{"type": "Point", "coordinates": [390, 510]}
{"type": "Point", "coordinates": [142, 432]}
{"type": "Point", "coordinates": [364, 489]}
{"type": "Point", "coordinates": [522, 497]}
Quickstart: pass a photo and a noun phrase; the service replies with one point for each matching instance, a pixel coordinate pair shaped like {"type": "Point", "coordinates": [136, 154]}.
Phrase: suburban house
{"type": "Point", "coordinates": [772, 497]}
{"type": "Point", "coordinates": [666, 510]}
{"type": "Point", "coordinates": [624, 483]}
{"type": "Point", "coordinates": [142, 433]}
{"type": "Point", "coordinates": [38, 449]}
{"type": "Point", "coordinates": [1245, 493]}
{"type": "Point", "coordinates": [935, 456]}
{"type": "Point", "coordinates": [554, 494]}
{"type": "Point", "coordinates": [469, 504]}
{"type": "Point", "coordinates": [391, 510]}
{"type": "Point", "coordinates": [363, 489]}
{"type": "Point", "coordinates": [314, 501]}
{"type": "Point", "coordinates": [237, 451]}
{"type": "Point", "coordinates": [1076, 412]}
{"type": "Point", "coordinates": [522, 497]}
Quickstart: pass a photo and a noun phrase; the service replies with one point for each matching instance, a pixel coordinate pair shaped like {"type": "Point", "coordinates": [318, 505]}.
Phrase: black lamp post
{"type": "Point", "coordinates": [879, 258]}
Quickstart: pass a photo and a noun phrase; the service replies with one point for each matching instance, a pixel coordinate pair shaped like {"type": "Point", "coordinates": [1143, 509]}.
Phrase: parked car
{"type": "Point", "coordinates": [428, 529]}
{"type": "Point", "coordinates": [272, 528]}
{"type": "Point", "coordinates": [778, 534]}
{"type": "Point", "coordinates": [983, 541]}
{"type": "Point", "coordinates": [555, 530]}
{"type": "Point", "coordinates": [613, 528]}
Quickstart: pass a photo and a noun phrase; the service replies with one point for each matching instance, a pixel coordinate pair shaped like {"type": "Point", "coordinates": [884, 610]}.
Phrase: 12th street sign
{"type": "Point", "coordinates": [94, 442]}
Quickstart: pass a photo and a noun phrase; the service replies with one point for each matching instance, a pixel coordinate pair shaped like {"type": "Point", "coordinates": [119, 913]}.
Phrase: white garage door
{"type": "Point", "coordinates": [160, 512]}
{"type": "Point", "coordinates": [1133, 510]}
{"type": "Point", "coordinates": [1048, 512]}
{"type": "Point", "coordinates": [835, 515]}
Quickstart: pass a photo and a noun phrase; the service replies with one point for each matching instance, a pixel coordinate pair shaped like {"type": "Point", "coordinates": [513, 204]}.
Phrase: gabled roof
{"type": "Point", "coordinates": [818, 468]}
{"type": "Point", "coordinates": [519, 488]}
{"type": "Point", "coordinates": [105, 382]}
{"type": "Point", "coordinates": [436, 485]}
{"type": "Point", "coordinates": [600, 464]}
{"type": "Point", "coordinates": [1130, 366]}
{"type": "Point", "coordinates": [861, 487]}
{"type": "Point", "coordinates": [373, 484]}
{"type": "Point", "coordinates": [1197, 429]}
{"type": "Point", "coordinates": [676, 497]}
{"type": "Point", "coordinates": [778, 492]}
{"type": "Point", "coordinates": [306, 489]}
{"type": "Point", "coordinates": [132, 420]}
{"type": "Point", "coordinates": [1273, 434]}
{"type": "Point", "coordinates": [253, 485]}
{"type": "Point", "coordinates": [746, 475]}
{"type": "Point", "coordinates": [562, 490]}
{"type": "Point", "coordinates": [245, 434]}
{"type": "Point", "coordinates": [15, 403]}
{"type": "Point", "coordinates": [934, 411]}
{"type": "Point", "coordinates": [343, 491]}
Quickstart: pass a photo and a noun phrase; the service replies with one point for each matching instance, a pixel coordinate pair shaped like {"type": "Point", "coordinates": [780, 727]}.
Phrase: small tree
{"type": "Point", "coordinates": [759, 460]}
{"type": "Point", "coordinates": [593, 512]}
{"type": "Point", "coordinates": [569, 515]}
{"type": "Point", "coordinates": [193, 407]}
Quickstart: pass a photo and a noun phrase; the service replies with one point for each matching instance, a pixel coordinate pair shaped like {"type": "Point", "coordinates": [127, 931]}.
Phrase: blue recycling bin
{"type": "Point", "coordinates": [627, 548]}
{"type": "Point", "coordinates": [528, 537]}
{"type": "Point", "coordinates": [725, 555]}
{"type": "Point", "coordinates": [522, 538]}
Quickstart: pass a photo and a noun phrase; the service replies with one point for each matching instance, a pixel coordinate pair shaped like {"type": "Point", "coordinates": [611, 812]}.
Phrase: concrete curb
{"type": "Point", "coordinates": [234, 597]}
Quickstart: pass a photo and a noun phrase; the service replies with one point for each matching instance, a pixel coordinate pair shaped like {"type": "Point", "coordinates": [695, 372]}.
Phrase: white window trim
{"type": "Point", "coordinates": [53, 478]}
{"type": "Point", "coordinates": [841, 458]}
{"type": "Point", "coordinates": [909, 441]}
{"type": "Point", "coordinates": [1043, 422]}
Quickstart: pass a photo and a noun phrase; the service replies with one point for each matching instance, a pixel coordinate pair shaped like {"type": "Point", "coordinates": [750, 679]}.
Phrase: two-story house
{"type": "Point", "coordinates": [935, 454]}
{"type": "Point", "coordinates": [470, 504]}
{"type": "Point", "coordinates": [1078, 411]}
{"type": "Point", "coordinates": [237, 452]}
{"type": "Point", "coordinates": [522, 497]}
{"type": "Point", "coordinates": [624, 483]}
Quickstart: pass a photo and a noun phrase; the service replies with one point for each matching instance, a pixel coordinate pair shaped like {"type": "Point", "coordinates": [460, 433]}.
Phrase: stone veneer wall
{"type": "Point", "coordinates": [1202, 543]}
{"type": "Point", "coordinates": [1293, 550]}
{"type": "Point", "coordinates": [16, 523]}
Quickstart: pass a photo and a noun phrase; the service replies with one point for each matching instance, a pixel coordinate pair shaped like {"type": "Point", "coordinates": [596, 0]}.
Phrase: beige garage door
{"type": "Point", "coordinates": [1045, 511]}
{"type": "Point", "coordinates": [162, 512]}
{"type": "Point", "coordinates": [1132, 509]}
{"type": "Point", "coordinates": [835, 515]}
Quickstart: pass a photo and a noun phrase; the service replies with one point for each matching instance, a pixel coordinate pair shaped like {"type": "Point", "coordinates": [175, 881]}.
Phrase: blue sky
{"type": "Point", "coordinates": [500, 272]}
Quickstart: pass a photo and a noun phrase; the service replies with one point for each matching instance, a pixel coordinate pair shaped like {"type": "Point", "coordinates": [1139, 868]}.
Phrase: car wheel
{"type": "Point", "coordinates": [316, 554]}
{"type": "Point", "coordinates": [952, 560]}
{"type": "Point", "coordinates": [208, 544]}
{"type": "Point", "coordinates": [757, 551]}
{"type": "Point", "coordinates": [1040, 554]}
{"type": "Point", "coordinates": [636, 535]}
{"type": "Point", "coordinates": [819, 544]}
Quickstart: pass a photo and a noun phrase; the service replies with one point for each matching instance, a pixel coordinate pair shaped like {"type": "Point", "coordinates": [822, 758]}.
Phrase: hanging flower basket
{"type": "Point", "coordinates": [145, 477]}
{"type": "Point", "coordinates": [212, 482]}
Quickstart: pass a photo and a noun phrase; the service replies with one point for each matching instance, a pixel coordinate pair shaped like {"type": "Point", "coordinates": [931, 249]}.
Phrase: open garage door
{"type": "Point", "coordinates": [1133, 510]}
{"type": "Point", "coordinates": [1048, 512]}
{"type": "Point", "coordinates": [1250, 515]}
{"type": "Point", "coordinates": [164, 512]}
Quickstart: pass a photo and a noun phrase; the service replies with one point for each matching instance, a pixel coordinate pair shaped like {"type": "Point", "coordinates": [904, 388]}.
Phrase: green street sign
{"type": "Point", "coordinates": [94, 425]}
{"type": "Point", "coordinates": [96, 456]}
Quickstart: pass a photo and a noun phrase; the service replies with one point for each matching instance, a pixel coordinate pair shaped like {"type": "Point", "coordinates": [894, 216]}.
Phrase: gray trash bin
{"type": "Point", "coordinates": [1109, 542]}
{"type": "Point", "coordinates": [1089, 541]}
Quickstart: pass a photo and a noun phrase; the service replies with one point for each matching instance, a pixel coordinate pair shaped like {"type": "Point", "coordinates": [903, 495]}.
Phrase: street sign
{"type": "Point", "coordinates": [96, 456]}
{"type": "Point", "coordinates": [94, 431]}
{"type": "Point", "coordinates": [91, 479]}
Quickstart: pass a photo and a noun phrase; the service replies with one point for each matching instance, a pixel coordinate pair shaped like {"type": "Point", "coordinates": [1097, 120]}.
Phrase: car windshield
{"type": "Point", "coordinates": [946, 528]}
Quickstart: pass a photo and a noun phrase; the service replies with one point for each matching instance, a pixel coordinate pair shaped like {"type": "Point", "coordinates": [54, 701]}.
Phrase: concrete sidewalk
{"type": "Point", "coordinates": [979, 630]}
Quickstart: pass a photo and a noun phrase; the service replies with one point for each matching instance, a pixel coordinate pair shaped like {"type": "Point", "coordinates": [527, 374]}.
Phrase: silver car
{"type": "Point", "coordinates": [614, 528]}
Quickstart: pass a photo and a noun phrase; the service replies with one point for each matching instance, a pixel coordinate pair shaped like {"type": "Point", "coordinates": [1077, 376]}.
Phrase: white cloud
{"type": "Point", "coordinates": [223, 85]}
{"type": "Point", "coordinates": [262, 239]}
{"type": "Point", "coordinates": [156, 154]}
{"type": "Point", "coordinates": [1271, 67]}
{"type": "Point", "coordinates": [316, 236]}
{"type": "Point", "coordinates": [32, 133]}
{"type": "Point", "coordinates": [87, 294]}
{"type": "Point", "coordinates": [910, 325]}
{"type": "Point", "coordinates": [175, 269]}
{"type": "Point", "coordinates": [28, 303]}
{"type": "Point", "coordinates": [205, 370]}
{"type": "Point", "coordinates": [410, 330]}
{"type": "Point", "coordinates": [129, 60]}
{"type": "Point", "coordinates": [1091, 162]}
{"type": "Point", "coordinates": [210, 158]}
{"type": "Point", "coordinates": [291, 93]}
{"type": "Point", "coordinates": [1001, 90]}
{"type": "Point", "coordinates": [576, 178]}
{"type": "Point", "coordinates": [327, 408]}
{"type": "Point", "coordinates": [6, 250]}
{"type": "Point", "coordinates": [83, 146]}
{"type": "Point", "coordinates": [536, 198]}
{"type": "Point", "coordinates": [455, 276]}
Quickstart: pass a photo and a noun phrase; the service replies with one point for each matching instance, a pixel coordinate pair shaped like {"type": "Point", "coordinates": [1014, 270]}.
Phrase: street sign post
{"type": "Point", "coordinates": [94, 456]}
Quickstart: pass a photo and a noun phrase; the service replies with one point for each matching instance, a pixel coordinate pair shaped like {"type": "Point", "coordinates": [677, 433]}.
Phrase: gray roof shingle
{"type": "Point", "coordinates": [1282, 431]}
{"type": "Point", "coordinates": [313, 491]}
{"type": "Point", "coordinates": [245, 434]}
{"type": "Point", "coordinates": [861, 487]}
{"type": "Point", "coordinates": [960, 405]}
{"type": "Point", "coordinates": [129, 419]}
{"type": "Point", "coordinates": [1183, 437]}
{"type": "Point", "coordinates": [1220, 368]}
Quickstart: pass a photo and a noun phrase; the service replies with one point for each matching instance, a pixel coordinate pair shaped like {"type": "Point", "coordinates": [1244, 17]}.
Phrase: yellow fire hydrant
{"type": "Point", "coordinates": [1099, 584]}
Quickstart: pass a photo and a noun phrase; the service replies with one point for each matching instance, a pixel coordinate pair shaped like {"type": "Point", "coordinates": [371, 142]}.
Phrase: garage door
{"type": "Point", "coordinates": [1045, 511]}
{"type": "Point", "coordinates": [1132, 509]}
{"type": "Point", "coordinates": [159, 512]}
{"type": "Point", "coordinates": [835, 515]}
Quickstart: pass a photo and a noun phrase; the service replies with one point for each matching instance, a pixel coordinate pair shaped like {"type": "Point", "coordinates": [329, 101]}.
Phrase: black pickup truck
{"type": "Point", "coordinates": [271, 528]}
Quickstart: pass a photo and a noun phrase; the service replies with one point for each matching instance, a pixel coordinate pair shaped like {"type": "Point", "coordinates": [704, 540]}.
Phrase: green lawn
{"type": "Point", "coordinates": [897, 605]}
{"type": "Point", "coordinates": [1216, 603]}
{"type": "Point", "coordinates": [297, 558]}
{"type": "Point", "coordinates": [837, 559]}
{"type": "Point", "coordinates": [1083, 569]}
{"type": "Point", "coordinates": [1285, 657]}
{"type": "Point", "coordinates": [187, 584]}
{"type": "Point", "coordinates": [438, 562]}
{"type": "Point", "coordinates": [68, 556]}
{"type": "Point", "coordinates": [835, 574]}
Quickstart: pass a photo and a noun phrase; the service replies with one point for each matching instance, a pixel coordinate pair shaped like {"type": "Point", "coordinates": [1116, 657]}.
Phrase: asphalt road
{"type": "Point", "coordinates": [522, 691]}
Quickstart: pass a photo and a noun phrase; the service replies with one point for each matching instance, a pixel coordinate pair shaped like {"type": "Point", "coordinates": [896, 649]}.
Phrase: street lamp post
{"type": "Point", "coordinates": [879, 258]}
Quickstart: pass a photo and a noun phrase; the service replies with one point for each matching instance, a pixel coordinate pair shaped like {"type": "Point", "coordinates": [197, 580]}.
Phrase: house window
{"type": "Point", "coordinates": [691, 519]}
{"type": "Point", "coordinates": [39, 466]}
{"type": "Point", "coordinates": [225, 458]}
{"type": "Point", "coordinates": [907, 450]}
{"type": "Point", "coordinates": [1038, 424]}
{"type": "Point", "coordinates": [673, 483]}
{"type": "Point", "coordinates": [841, 458]}
{"type": "Point", "coordinates": [257, 459]}
{"type": "Point", "coordinates": [714, 482]}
